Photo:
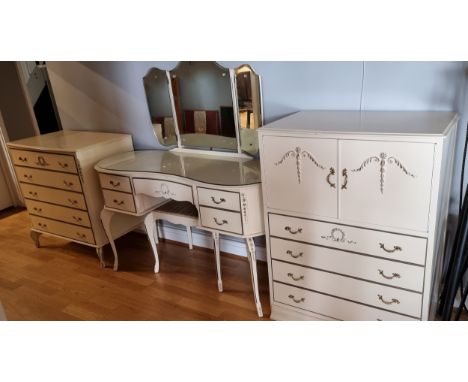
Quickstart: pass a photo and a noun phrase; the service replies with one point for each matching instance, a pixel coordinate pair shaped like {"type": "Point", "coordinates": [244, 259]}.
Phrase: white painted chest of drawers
{"type": "Point", "coordinates": [60, 186]}
{"type": "Point", "coordinates": [355, 211]}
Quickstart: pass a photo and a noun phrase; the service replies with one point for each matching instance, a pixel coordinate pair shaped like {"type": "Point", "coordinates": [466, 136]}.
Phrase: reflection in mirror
{"type": "Point", "coordinates": [250, 108]}
{"type": "Point", "coordinates": [159, 104]}
{"type": "Point", "coordinates": [203, 102]}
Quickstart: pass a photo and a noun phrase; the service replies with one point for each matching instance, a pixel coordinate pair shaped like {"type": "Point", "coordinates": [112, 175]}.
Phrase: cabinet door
{"type": "Point", "coordinates": [300, 175]}
{"type": "Point", "coordinates": [386, 183]}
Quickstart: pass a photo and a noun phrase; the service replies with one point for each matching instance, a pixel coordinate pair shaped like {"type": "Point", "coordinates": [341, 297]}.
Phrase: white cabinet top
{"type": "Point", "coordinates": [429, 123]}
{"type": "Point", "coordinates": [66, 140]}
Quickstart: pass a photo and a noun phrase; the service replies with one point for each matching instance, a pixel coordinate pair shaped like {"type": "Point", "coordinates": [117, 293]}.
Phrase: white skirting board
{"type": "Point", "coordinates": [205, 240]}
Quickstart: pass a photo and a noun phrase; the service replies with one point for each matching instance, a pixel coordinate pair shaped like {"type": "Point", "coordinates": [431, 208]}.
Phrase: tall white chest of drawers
{"type": "Point", "coordinates": [355, 210]}
{"type": "Point", "coordinates": [60, 186]}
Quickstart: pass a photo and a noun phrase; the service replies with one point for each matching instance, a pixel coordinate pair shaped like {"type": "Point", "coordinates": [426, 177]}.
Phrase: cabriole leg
{"type": "Point", "coordinates": [218, 260]}
{"type": "Point", "coordinates": [99, 252]}
{"type": "Point", "coordinates": [150, 226]}
{"type": "Point", "coordinates": [253, 272]}
{"type": "Point", "coordinates": [106, 219]}
{"type": "Point", "coordinates": [189, 235]}
{"type": "Point", "coordinates": [35, 237]}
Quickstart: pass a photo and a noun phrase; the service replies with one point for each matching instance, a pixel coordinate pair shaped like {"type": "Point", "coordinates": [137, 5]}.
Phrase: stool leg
{"type": "Point", "coordinates": [150, 226]}
{"type": "Point", "coordinates": [218, 260]}
{"type": "Point", "coordinates": [253, 274]}
{"type": "Point", "coordinates": [189, 235]}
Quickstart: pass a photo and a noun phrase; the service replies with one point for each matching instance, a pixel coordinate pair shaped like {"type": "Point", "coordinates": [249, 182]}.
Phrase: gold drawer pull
{"type": "Point", "coordinates": [330, 174]}
{"type": "Point", "coordinates": [42, 225]}
{"type": "Point", "coordinates": [221, 200]}
{"type": "Point", "coordinates": [290, 230]}
{"type": "Point", "coordinates": [77, 218]}
{"type": "Point", "coordinates": [81, 235]}
{"type": "Point", "coordinates": [37, 209]}
{"type": "Point", "coordinates": [290, 253]}
{"type": "Point", "coordinates": [295, 278]}
{"type": "Point", "coordinates": [393, 276]}
{"type": "Point", "coordinates": [33, 194]}
{"type": "Point", "coordinates": [28, 177]}
{"type": "Point", "coordinates": [24, 160]}
{"type": "Point", "coordinates": [41, 161]}
{"type": "Point", "coordinates": [119, 203]}
{"type": "Point", "coordinates": [386, 302]}
{"type": "Point", "coordinates": [114, 184]}
{"type": "Point", "coordinates": [63, 165]}
{"type": "Point", "coordinates": [68, 184]}
{"type": "Point", "coordinates": [395, 248]}
{"type": "Point", "coordinates": [74, 202]}
{"type": "Point", "coordinates": [220, 223]}
{"type": "Point", "coordinates": [297, 301]}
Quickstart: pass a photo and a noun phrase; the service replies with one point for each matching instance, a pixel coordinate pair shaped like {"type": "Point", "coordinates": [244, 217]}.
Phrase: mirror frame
{"type": "Point", "coordinates": [235, 104]}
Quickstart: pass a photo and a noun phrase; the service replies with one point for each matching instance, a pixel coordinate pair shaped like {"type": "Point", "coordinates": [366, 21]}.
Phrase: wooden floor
{"type": "Point", "coordinates": [63, 281]}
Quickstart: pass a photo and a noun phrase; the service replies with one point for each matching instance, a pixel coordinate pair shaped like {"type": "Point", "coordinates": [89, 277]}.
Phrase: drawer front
{"type": "Point", "coordinates": [161, 188]}
{"type": "Point", "coordinates": [364, 267]}
{"type": "Point", "coordinates": [65, 214]}
{"type": "Point", "coordinates": [380, 296]}
{"type": "Point", "coordinates": [383, 244]}
{"type": "Point", "coordinates": [49, 178]}
{"type": "Point", "coordinates": [219, 199]}
{"type": "Point", "coordinates": [116, 183]}
{"type": "Point", "coordinates": [221, 220]}
{"type": "Point", "coordinates": [44, 194]}
{"type": "Point", "coordinates": [63, 229]}
{"type": "Point", "coordinates": [119, 200]}
{"type": "Point", "coordinates": [331, 306]}
{"type": "Point", "coordinates": [37, 159]}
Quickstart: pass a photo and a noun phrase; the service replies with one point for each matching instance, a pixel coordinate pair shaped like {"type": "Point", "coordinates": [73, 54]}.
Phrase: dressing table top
{"type": "Point", "coordinates": [205, 168]}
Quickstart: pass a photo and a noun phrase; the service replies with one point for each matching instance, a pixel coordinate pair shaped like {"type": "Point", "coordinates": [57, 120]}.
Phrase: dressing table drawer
{"type": "Point", "coordinates": [63, 229]}
{"type": "Point", "coordinates": [44, 194]}
{"type": "Point", "coordinates": [381, 296]}
{"type": "Point", "coordinates": [161, 188]}
{"type": "Point", "coordinates": [373, 269]}
{"type": "Point", "coordinates": [219, 199]}
{"type": "Point", "coordinates": [65, 214]}
{"type": "Point", "coordinates": [49, 178]}
{"type": "Point", "coordinates": [47, 161]}
{"type": "Point", "coordinates": [331, 306]}
{"type": "Point", "coordinates": [115, 182]}
{"type": "Point", "coordinates": [221, 220]}
{"type": "Point", "coordinates": [119, 200]}
{"type": "Point", "coordinates": [393, 246]}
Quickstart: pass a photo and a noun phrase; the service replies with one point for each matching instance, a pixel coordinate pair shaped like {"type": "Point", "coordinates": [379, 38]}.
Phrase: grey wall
{"type": "Point", "coordinates": [109, 96]}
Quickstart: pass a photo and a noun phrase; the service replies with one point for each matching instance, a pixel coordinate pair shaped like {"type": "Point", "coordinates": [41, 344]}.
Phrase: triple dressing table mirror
{"type": "Point", "coordinates": [205, 118]}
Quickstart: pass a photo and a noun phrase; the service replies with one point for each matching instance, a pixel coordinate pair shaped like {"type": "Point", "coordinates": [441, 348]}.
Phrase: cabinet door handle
{"type": "Point", "coordinates": [388, 302]}
{"type": "Point", "coordinates": [220, 223]}
{"type": "Point", "coordinates": [74, 202]}
{"type": "Point", "coordinates": [296, 300]}
{"type": "Point", "coordinates": [290, 253]}
{"type": "Point", "coordinates": [41, 161]}
{"type": "Point", "coordinates": [63, 165]}
{"type": "Point", "coordinates": [119, 203]}
{"type": "Point", "coordinates": [28, 176]}
{"type": "Point", "coordinates": [68, 184]}
{"type": "Point", "coordinates": [221, 200]}
{"type": "Point", "coordinates": [394, 249]}
{"type": "Point", "coordinates": [81, 235]}
{"type": "Point", "coordinates": [77, 218]}
{"type": "Point", "coordinates": [291, 231]}
{"type": "Point", "coordinates": [23, 159]}
{"type": "Point", "coordinates": [37, 209]}
{"type": "Point", "coordinates": [393, 276]}
{"type": "Point", "coordinates": [33, 194]}
{"type": "Point", "coordinates": [330, 174]}
{"type": "Point", "coordinates": [295, 278]}
{"type": "Point", "coordinates": [344, 186]}
{"type": "Point", "coordinates": [114, 184]}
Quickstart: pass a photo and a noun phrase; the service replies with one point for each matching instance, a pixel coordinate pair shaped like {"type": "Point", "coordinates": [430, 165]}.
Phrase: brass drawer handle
{"type": "Point", "coordinates": [114, 184]}
{"type": "Point", "coordinates": [290, 253]}
{"type": "Point", "coordinates": [28, 177]}
{"type": "Point", "coordinates": [77, 218]}
{"type": "Point", "coordinates": [330, 174]}
{"type": "Point", "coordinates": [395, 248]}
{"type": "Point", "coordinates": [24, 160]}
{"type": "Point", "coordinates": [74, 202]}
{"type": "Point", "coordinates": [220, 223]}
{"type": "Point", "coordinates": [221, 200]}
{"type": "Point", "coordinates": [81, 235]}
{"type": "Point", "coordinates": [387, 302]}
{"type": "Point", "coordinates": [295, 278]}
{"type": "Point", "coordinates": [68, 184]}
{"type": "Point", "coordinates": [297, 301]}
{"type": "Point", "coordinates": [344, 186]}
{"type": "Point", "coordinates": [41, 161]}
{"type": "Point", "coordinates": [63, 165]}
{"type": "Point", "coordinates": [290, 230]}
{"type": "Point", "coordinates": [119, 203]}
{"type": "Point", "coordinates": [42, 225]}
{"type": "Point", "coordinates": [393, 276]}
{"type": "Point", "coordinates": [39, 210]}
{"type": "Point", "coordinates": [33, 194]}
